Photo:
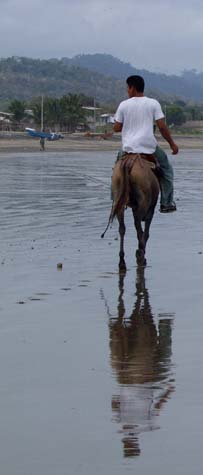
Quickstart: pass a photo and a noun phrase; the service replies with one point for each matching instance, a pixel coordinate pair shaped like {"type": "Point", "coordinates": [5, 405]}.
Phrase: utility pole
{"type": "Point", "coordinates": [42, 140]}
{"type": "Point", "coordinates": [94, 115]}
{"type": "Point", "coordinates": [42, 113]}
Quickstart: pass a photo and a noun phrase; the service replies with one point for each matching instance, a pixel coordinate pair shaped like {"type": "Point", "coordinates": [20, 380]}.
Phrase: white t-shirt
{"type": "Point", "coordinates": [137, 115]}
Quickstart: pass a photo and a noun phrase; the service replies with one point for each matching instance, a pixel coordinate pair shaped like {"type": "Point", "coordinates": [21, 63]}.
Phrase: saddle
{"type": "Point", "coordinates": [128, 160]}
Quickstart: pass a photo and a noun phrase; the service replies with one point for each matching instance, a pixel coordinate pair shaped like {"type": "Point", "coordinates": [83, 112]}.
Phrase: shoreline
{"type": "Point", "coordinates": [78, 142]}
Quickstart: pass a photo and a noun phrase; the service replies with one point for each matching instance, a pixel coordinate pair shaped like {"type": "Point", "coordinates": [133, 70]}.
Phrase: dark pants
{"type": "Point", "coordinates": [166, 180]}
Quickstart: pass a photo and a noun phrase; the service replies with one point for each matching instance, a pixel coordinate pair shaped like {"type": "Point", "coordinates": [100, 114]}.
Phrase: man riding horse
{"type": "Point", "coordinates": [135, 118]}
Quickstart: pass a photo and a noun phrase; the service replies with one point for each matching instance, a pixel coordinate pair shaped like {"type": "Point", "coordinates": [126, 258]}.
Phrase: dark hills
{"type": "Point", "coordinates": [100, 75]}
{"type": "Point", "coordinates": [188, 86]}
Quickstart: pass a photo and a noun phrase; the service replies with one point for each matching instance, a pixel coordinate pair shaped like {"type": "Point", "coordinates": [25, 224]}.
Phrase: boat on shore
{"type": "Point", "coordinates": [50, 136]}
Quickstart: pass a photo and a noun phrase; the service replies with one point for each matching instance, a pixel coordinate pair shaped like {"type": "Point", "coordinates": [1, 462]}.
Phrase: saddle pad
{"type": "Point", "coordinates": [129, 159]}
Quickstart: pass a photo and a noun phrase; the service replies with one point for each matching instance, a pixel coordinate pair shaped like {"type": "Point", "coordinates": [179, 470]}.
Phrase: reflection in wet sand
{"type": "Point", "coordinates": [141, 360]}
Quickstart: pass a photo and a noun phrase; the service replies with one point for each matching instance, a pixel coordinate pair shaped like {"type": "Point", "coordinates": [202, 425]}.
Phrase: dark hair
{"type": "Point", "coordinates": [137, 82]}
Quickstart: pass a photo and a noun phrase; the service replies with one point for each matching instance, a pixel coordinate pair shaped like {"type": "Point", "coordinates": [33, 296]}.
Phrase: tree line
{"type": "Point", "coordinates": [65, 113]}
{"type": "Point", "coordinates": [179, 112]}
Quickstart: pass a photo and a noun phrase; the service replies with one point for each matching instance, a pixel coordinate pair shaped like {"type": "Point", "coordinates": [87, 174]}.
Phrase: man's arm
{"type": "Point", "coordinates": [164, 131]}
{"type": "Point", "coordinates": [117, 127]}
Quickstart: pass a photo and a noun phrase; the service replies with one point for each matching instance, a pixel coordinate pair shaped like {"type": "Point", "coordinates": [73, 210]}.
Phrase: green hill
{"type": "Point", "coordinates": [24, 78]}
{"type": "Point", "coordinates": [100, 76]}
{"type": "Point", "coordinates": [188, 86]}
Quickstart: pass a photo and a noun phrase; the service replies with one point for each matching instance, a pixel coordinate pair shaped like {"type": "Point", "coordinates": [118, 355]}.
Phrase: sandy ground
{"type": "Point", "coordinates": [78, 142]}
{"type": "Point", "coordinates": [98, 373]}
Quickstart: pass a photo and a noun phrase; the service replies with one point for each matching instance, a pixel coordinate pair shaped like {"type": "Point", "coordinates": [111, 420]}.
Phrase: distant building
{"type": "Point", "coordinates": [95, 119]}
{"type": "Point", "coordinates": [107, 119]}
{"type": "Point", "coordinates": [29, 112]}
{"type": "Point", "coordinates": [91, 116]}
{"type": "Point", "coordinates": [5, 120]}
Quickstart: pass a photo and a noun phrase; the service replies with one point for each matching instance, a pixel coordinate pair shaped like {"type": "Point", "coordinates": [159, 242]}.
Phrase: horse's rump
{"type": "Point", "coordinates": [133, 184]}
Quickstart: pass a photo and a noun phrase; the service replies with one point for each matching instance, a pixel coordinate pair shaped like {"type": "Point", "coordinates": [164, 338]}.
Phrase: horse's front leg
{"type": "Point", "coordinates": [122, 264]}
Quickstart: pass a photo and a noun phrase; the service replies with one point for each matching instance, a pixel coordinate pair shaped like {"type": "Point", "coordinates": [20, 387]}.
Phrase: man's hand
{"type": "Point", "coordinates": [174, 149]}
{"type": "Point", "coordinates": [166, 135]}
{"type": "Point", "coordinates": [117, 127]}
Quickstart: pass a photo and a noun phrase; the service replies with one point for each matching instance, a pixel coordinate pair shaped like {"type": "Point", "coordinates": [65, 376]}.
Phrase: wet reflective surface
{"type": "Point", "coordinates": [141, 361]}
{"type": "Point", "coordinates": [99, 372]}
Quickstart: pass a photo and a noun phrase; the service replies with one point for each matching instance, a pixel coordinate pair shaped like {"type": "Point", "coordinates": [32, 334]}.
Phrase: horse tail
{"type": "Point", "coordinates": [123, 197]}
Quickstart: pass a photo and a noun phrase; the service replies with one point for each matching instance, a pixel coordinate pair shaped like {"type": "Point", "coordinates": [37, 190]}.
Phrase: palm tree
{"type": "Point", "coordinates": [17, 108]}
{"type": "Point", "coordinates": [72, 112]}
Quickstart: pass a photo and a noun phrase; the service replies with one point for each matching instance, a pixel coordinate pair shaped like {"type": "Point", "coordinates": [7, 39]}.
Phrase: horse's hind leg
{"type": "Point", "coordinates": [148, 221]}
{"type": "Point", "coordinates": [140, 253]}
{"type": "Point", "coordinates": [122, 264]}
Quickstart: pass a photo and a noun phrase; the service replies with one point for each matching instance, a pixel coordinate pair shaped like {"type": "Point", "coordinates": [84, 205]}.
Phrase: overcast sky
{"type": "Point", "coordinates": [159, 35]}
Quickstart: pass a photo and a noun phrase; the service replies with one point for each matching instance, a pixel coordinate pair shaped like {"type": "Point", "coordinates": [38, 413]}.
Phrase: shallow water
{"type": "Point", "coordinates": [100, 373]}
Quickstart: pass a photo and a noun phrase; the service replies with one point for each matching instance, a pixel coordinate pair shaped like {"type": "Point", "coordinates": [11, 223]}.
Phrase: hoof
{"type": "Point", "coordinates": [122, 266]}
{"type": "Point", "coordinates": [140, 256]}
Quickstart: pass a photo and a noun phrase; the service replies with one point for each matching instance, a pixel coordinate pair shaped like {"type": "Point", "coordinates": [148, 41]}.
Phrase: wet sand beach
{"type": "Point", "coordinates": [100, 372]}
{"type": "Point", "coordinates": [79, 142]}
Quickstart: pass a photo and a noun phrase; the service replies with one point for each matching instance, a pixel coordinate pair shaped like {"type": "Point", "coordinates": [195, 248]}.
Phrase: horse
{"type": "Point", "coordinates": [134, 185]}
